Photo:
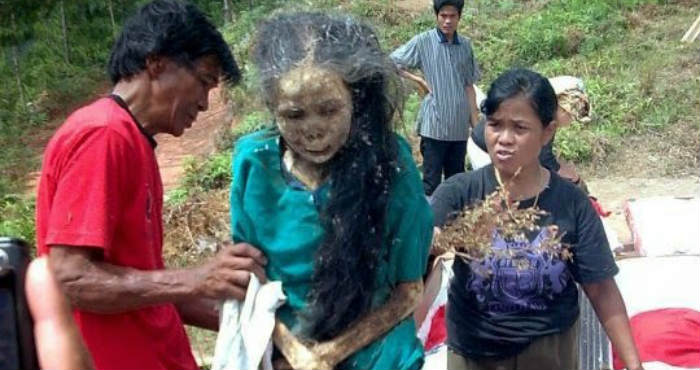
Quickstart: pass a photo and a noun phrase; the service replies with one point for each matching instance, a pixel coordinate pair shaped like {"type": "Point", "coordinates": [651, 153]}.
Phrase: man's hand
{"type": "Point", "coordinates": [58, 341]}
{"type": "Point", "coordinates": [227, 274]}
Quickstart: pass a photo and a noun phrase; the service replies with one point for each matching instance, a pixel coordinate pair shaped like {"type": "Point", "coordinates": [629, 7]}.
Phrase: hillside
{"type": "Point", "coordinates": [644, 138]}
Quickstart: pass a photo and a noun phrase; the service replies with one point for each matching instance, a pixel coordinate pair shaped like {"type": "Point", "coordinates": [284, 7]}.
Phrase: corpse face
{"type": "Point", "coordinates": [313, 113]}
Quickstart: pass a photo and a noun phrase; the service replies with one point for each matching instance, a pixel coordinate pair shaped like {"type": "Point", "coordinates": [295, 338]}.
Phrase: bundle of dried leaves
{"type": "Point", "coordinates": [471, 234]}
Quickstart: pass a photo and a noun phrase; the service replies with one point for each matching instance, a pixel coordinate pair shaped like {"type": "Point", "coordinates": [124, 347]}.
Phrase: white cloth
{"type": "Point", "coordinates": [245, 330]}
{"type": "Point", "coordinates": [651, 283]}
{"type": "Point", "coordinates": [665, 226]}
{"type": "Point", "coordinates": [477, 157]}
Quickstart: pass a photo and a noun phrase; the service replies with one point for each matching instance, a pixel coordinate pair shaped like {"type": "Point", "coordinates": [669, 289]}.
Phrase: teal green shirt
{"type": "Point", "coordinates": [281, 217]}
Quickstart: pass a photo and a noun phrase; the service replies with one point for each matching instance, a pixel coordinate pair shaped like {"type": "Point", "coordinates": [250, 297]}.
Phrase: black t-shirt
{"type": "Point", "coordinates": [499, 314]}
{"type": "Point", "coordinates": [547, 157]}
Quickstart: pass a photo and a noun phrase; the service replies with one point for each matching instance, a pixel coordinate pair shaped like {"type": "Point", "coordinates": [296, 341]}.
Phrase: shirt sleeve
{"type": "Point", "coordinates": [241, 224]}
{"type": "Point", "coordinates": [593, 260]}
{"type": "Point", "coordinates": [408, 55]}
{"type": "Point", "coordinates": [474, 73]}
{"type": "Point", "coordinates": [87, 201]}
{"type": "Point", "coordinates": [448, 199]}
{"type": "Point", "coordinates": [410, 223]}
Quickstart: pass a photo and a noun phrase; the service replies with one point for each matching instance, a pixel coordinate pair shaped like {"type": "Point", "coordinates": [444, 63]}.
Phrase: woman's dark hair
{"type": "Point", "coordinates": [438, 4]}
{"type": "Point", "coordinates": [520, 81]}
{"type": "Point", "coordinates": [361, 173]}
{"type": "Point", "coordinates": [170, 29]}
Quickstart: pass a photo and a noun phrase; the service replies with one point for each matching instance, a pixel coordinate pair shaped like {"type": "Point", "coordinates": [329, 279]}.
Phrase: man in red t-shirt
{"type": "Point", "coordinates": [99, 206]}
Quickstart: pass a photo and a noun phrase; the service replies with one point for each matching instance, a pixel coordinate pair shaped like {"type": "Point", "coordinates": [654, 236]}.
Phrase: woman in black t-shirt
{"type": "Point", "coordinates": [519, 317]}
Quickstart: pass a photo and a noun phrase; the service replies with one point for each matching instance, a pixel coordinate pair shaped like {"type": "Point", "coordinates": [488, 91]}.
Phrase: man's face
{"type": "Point", "coordinates": [181, 92]}
{"type": "Point", "coordinates": [448, 20]}
{"type": "Point", "coordinates": [313, 112]}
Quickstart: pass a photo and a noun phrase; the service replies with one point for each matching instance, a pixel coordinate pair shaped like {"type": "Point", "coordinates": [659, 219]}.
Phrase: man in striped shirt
{"type": "Point", "coordinates": [449, 108]}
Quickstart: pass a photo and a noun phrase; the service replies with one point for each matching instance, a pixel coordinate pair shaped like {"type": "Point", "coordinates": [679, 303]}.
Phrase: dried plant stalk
{"type": "Point", "coordinates": [471, 234]}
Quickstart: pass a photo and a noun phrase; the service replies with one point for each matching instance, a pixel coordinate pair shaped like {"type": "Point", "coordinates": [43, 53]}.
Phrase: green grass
{"type": "Point", "coordinates": [639, 77]}
{"type": "Point", "coordinates": [634, 82]}
{"type": "Point", "coordinates": [214, 172]}
{"type": "Point", "coordinates": [17, 217]}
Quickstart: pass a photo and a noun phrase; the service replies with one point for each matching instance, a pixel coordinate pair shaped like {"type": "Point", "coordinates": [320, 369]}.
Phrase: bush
{"type": "Point", "coordinates": [17, 217]}
{"type": "Point", "coordinates": [574, 143]}
{"type": "Point", "coordinates": [407, 121]}
{"type": "Point", "coordinates": [214, 172]}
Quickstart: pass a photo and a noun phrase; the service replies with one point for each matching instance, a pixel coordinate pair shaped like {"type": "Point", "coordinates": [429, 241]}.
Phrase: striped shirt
{"type": "Point", "coordinates": [448, 68]}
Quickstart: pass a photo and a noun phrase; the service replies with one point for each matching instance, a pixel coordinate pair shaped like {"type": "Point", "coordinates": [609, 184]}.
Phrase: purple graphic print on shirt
{"type": "Point", "coordinates": [518, 277]}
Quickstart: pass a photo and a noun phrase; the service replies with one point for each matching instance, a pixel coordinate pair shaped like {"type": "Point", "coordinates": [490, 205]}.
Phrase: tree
{"type": "Point", "coordinates": [111, 18]}
{"type": "Point", "coordinates": [64, 30]}
{"type": "Point", "coordinates": [20, 16]}
{"type": "Point", "coordinates": [227, 12]}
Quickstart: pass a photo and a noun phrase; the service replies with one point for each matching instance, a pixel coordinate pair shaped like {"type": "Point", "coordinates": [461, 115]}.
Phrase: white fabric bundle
{"type": "Point", "coordinates": [245, 329]}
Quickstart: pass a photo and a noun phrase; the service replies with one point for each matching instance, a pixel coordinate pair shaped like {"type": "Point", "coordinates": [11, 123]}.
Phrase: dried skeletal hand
{"type": "Point", "coordinates": [301, 355]}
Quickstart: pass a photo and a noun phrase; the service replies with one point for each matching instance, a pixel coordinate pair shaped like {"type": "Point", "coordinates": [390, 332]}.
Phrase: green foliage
{"type": "Point", "coordinates": [17, 217]}
{"type": "Point", "coordinates": [212, 173]}
{"type": "Point", "coordinates": [253, 121]}
{"type": "Point", "coordinates": [574, 142]}
{"type": "Point", "coordinates": [638, 78]}
{"type": "Point", "coordinates": [410, 114]}
{"type": "Point", "coordinates": [620, 48]}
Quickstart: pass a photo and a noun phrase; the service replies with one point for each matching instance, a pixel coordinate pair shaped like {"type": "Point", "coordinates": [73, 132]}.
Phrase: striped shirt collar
{"type": "Point", "coordinates": [443, 39]}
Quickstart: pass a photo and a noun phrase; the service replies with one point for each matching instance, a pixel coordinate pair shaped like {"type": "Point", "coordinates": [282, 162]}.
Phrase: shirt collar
{"type": "Point", "coordinates": [118, 99]}
{"type": "Point", "coordinates": [443, 39]}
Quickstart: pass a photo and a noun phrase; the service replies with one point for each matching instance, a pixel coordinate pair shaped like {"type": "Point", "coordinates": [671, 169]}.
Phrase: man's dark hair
{"type": "Point", "coordinates": [171, 29]}
{"type": "Point", "coordinates": [522, 82]}
{"type": "Point", "coordinates": [438, 4]}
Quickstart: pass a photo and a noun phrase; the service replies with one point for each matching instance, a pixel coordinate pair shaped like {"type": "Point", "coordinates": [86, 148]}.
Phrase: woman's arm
{"type": "Point", "coordinates": [611, 311]}
{"type": "Point", "coordinates": [325, 355]}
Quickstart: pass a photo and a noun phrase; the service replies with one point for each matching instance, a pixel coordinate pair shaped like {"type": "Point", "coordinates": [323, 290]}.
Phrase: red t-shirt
{"type": "Point", "coordinates": [100, 187]}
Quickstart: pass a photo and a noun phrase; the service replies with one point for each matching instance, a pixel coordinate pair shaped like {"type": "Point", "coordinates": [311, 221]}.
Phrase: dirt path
{"type": "Point", "coordinates": [414, 6]}
{"type": "Point", "coordinates": [197, 141]}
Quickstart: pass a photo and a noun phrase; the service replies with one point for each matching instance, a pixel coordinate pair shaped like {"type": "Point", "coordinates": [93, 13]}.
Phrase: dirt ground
{"type": "Point", "coordinates": [197, 142]}
{"type": "Point", "coordinates": [414, 6]}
